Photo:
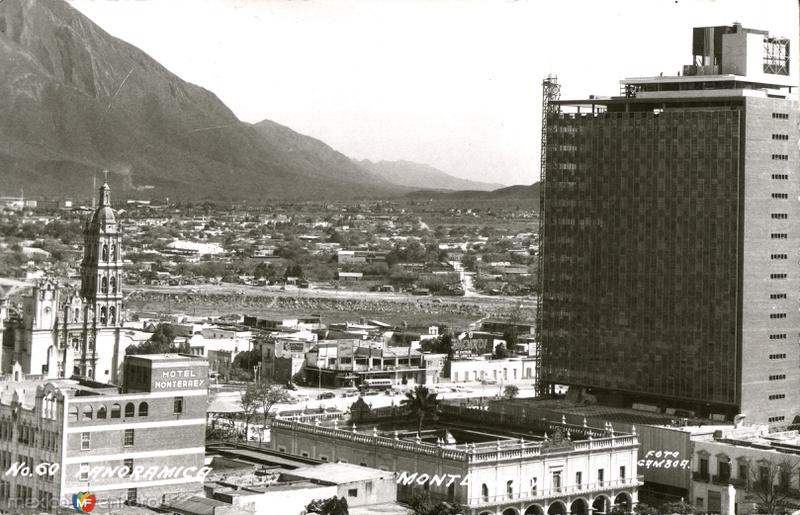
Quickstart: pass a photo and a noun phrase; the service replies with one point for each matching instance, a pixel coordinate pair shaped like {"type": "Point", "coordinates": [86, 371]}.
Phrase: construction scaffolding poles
{"type": "Point", "coordinates": [551, 92]}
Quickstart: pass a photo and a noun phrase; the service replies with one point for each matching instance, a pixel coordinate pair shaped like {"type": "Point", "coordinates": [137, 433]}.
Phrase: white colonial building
{"type": "Point", "coordinates": [731, 467]}
{"type": "Point", "coordinates": [490, 463]}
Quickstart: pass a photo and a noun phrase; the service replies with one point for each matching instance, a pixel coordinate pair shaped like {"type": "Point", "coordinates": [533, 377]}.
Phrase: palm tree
{"type": "Point", "coordinates": [421, 403]}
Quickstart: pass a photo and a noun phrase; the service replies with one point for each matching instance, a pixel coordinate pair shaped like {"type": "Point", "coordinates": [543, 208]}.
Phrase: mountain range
{"type": "Point", "coordinates": [509, 193]}
{"type": "Point", "coordinates": [75, 100]}
{"type": "Point", "coordinates": [416, 175]}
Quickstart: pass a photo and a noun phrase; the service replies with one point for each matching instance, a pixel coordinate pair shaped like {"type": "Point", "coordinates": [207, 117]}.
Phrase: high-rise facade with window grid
{"type": "Point", "coordinates": [671, 249]}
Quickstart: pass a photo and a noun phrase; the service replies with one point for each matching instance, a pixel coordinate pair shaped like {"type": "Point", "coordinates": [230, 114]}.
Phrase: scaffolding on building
{"type": "Point", "coordinates": [551, 92]}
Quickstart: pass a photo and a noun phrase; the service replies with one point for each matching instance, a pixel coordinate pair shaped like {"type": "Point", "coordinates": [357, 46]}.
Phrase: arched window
{"type": "Point", "coordinates": [73, 413]}
{"type": "Point", "coordinates": [113, 282]}
{"type": "Point", "coordinates": [510, 489]}
{"type": "Point", "coordinates": [46, 406]}
{"type": "Point", "coordinates": [130, 410]}
{"type": "Point", "coordinates": [103, 315]}
{"type": "Point", "coordinates": [101, 412]}
{"type": "Point", "coordinates": [113, 252]}
{"type": "Point", "coordinates": [451, 491]}
{"type": "Point", "coordinates": [87, 413]}
{"type": "Point", "coordinates": [105, 253]}
{"type": "Point", "coordinates": [485, 492]}
{"type": "Point", "coordinates": [143, 409]}
{"type": "Point", "coordinates": [77, 315]}
{"type": "Point", "coordinates": [112, 312]}
{"type": "Point", "coordinates": [115, 411]}
{"type": "Point", "coordinates": [104, 285]}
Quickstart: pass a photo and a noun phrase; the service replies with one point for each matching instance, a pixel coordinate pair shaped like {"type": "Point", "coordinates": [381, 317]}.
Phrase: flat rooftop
{"type": "Point", "coordinates": [263, 456]}
{"type": "Point", "coordinates": [160, 358]}
{"type": "Point", "coordinates": [340, 473]}
{"type": "Point", "coordinates": [616, 414]}
{"type": "Point", "coordinates": [197, 505]}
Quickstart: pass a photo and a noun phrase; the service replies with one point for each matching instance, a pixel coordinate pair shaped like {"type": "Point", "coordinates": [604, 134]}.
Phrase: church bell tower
{"type": "Point", "coordinates": [101, 284]}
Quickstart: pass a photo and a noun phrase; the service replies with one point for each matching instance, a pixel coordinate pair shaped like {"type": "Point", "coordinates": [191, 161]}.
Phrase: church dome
{"type": "Point", "coordinates": [104, 215]}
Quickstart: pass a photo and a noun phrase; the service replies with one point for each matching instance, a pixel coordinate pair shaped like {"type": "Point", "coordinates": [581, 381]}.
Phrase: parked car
{"type": "Point", "coordinates": [326, 395]}
{"type": "Point", "coordinates": [291, 386]}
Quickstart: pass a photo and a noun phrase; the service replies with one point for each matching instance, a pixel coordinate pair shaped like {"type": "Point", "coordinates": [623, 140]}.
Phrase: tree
{"type": "Point", "coordinates": [247, 361]}
{"type": "Point", "coordinates": [161, 342]}
{"type": "Point", "coordinates": [510, 336]}
{"type": "Point", "coordinates": [441, 345]}
{"type": "Point", "coordinates": [422, 404]}
{"type": "Point", "coordinates": [261, 270]}
{"type": "Point", "coordinates": [768, 484]}
{"type": "Point", "coordinates": [270, 395]}
{"type": "Point", "coordinates": [500, 351]}
{"type": "Point", "coordinates": [645, 509]}
{"type": "Point", "coordinates": [511, 391]}
{"type": "Point", "coordinates": [293, 270]}
{"type": "Point", "coordinates": [470, 262]}
{"type": "Point", "coordinates": [681, 507]}
{"type": "Point", "coordinates": [239, 374]}
{"type": "Point", "coordinates": [331, 506]}
{"type": "Point", "coordinates": [422, 504]}
{"type": "Point", "coordinates": [250, 404]}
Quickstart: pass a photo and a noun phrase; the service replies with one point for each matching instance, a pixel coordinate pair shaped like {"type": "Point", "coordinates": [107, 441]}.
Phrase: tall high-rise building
{"type": "Point", "coordinates": [671, 252]}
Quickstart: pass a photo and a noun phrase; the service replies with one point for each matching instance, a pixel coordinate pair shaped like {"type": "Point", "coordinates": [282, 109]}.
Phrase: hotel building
{"type": "Point", "coordinates": [669, 257]}
{"type": "Point", "coordinates": [128, 444]}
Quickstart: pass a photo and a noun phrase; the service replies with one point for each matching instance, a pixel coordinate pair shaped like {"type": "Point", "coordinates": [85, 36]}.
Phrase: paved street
{"type": "Point", "coordinates": [378, 399]}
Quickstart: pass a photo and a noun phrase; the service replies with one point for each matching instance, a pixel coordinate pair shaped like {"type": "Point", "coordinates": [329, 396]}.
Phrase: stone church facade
{"type": "Point", "coordinates": [63, 332]}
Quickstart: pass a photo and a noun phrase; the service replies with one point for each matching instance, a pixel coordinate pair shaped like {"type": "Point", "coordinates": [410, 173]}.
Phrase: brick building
{"type": "Point", "coordinates": [133, 443]}
{"type": "Point", "coordinates": [669, 257]}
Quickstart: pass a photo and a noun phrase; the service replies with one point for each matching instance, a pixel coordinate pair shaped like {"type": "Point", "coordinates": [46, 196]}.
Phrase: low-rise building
{"type": "Point", "coordinates": [491, 463]}
{"type": "Point", "coordinates": [133, 443]}
{"type": "Point", "coordinates": [266, 481]}
{"type": "Point", "coordinates": [360, 257]}
{"type": "Point", "coordinates": [746, 470]}
{"type": "Point", "coordinates": [351, 362]}
{"type": "Point", "coordinates": [507, 370]}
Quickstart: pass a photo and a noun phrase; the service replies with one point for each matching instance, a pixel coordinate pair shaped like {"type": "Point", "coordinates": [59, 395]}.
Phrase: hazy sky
{"type": "Point", "coordinates": [454, 84]}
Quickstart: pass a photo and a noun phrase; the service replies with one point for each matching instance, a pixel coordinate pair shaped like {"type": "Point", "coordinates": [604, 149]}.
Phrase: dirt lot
{"type": "Point", "coordinates": [332, 305]}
